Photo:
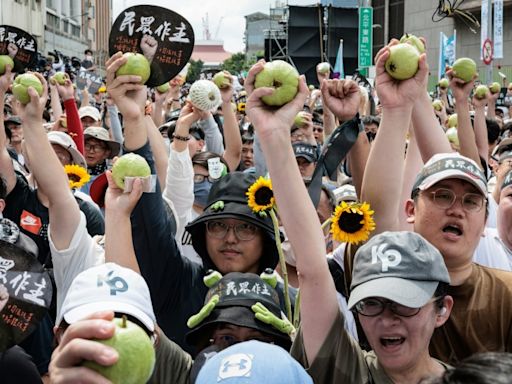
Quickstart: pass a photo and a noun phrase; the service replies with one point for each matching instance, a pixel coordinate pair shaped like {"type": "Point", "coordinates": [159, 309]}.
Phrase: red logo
{"type": "Point", "coordinates": [30, 223]}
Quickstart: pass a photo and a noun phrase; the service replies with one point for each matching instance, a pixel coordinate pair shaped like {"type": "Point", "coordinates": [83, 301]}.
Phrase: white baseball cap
{"type": "Point", "coordinates": [108, 287]}
{"type": "Point", "coordinates": [90, 111]}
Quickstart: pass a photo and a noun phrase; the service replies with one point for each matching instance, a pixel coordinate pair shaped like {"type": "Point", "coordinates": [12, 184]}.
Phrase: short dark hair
{"type": "Point", "coordinates": [88, 50]}
{"type": "Point", "coordinates": [493, 130]}
{"type": "Point", "coordinates": [480, 368]}
{"type": "Point", "coordinates": [370, 119]}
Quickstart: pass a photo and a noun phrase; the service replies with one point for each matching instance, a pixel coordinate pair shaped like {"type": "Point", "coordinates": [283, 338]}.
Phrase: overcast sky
{"type": "Point", "coordinates": [231, 28]}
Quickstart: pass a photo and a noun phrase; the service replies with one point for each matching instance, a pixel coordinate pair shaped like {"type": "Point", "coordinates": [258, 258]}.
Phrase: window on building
{"type": "Point", "coordinates": [75, 30]}
{"type": "Point", "coordinates": [52, 21]}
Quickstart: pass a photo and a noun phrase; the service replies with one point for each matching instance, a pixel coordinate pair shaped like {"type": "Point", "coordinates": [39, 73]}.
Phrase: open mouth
{"type": "Point", "coordinates": [451, 228]}
{"type": "Point", "coordinates": [391, 341]}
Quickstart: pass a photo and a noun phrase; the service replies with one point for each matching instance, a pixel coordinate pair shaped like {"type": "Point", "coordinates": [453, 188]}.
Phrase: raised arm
{"type": "Point", "coordinates": [465, 132]}
{"type": "Point", "coordinates": [63, 209]}
{"type": "Point", "coordinates": [118, 229]}
{"type": "Point", "coordinates": [480, 127]}
{"type": "Point", "coordinates": [158, 147]}
{"type": "Point", "coordinates": [75, 129]}
{"type": "Point", "coordinates": [6, 167]}
{"type": "Point", "coordinates": [232, 137]}
{"type": "Point", "coordinates": [384, 169]}
{"type": "Point", "coordinates": [55, 102]}
{"type": "Point", "coordinates": [296, 211]}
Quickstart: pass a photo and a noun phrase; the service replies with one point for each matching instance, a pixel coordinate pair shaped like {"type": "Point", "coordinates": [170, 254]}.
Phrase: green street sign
{"type": "Point", "coordinates": [365, 37]}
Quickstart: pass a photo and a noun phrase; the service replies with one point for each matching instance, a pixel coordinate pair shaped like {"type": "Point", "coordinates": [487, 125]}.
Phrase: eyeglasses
{"type": "Point", "coordinates": [373, 306]}
{"type": "Point", "coordinates": [318, 129]}
{"type": "Point", "coordinates": [94, 148]}
{"type": "Point", "coordinates": [200, 178]}
{"type": "Point", "coordinates": [445, 198]}
{"type": "Point", "coordinates": [243, 231]}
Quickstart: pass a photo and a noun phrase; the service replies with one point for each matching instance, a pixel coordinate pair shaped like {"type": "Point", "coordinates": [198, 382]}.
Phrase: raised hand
{"type": "Point", "coordinates": [397, 94]}
{"type": "Point", "coordinates": [66, 91]}
{"type": "Point", "coordinates": [342, 97]}
{"type": "Point", "coordinates": [148, 45]}
{"type": "Point", "coordinates": [460, 89]}
{"type": "Point", "coordinates": [118, 201]}
{"type": "Point", "coordinates": [77, 344]}
{"type": "Point", "coordinates": [33, 111]}
{"type": "Point", "coordinates": [126, 91]}
{"type": "Point", "coordinates": [272, 120]}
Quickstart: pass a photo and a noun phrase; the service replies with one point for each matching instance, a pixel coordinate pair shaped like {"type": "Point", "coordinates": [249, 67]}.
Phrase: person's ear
{"type": "Point", "coordinates": [108, 152]}
{"type": "Point", "coordinates": [410, 211]}
{"type": "Point", "coordinates": [2, 205]}
{"type": "Point", "coordinates": [444, 313]}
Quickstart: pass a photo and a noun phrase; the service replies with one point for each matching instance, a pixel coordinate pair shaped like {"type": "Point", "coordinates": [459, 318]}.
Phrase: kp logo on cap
{"type": "Point", "coordinates": [116, 283]}
{"type": "Point", "coordinates": [388, 258]}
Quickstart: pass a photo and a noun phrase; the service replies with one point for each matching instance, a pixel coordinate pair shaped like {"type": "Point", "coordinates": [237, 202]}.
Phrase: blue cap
{"type": "Point", "coordinates": [253, 362]}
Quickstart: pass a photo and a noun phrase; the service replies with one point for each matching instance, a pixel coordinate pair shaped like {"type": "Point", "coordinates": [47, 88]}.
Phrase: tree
{"type": "Point", "coordinates": [237, 63]}
{"type": "Point", "coordinates": [196, 67]}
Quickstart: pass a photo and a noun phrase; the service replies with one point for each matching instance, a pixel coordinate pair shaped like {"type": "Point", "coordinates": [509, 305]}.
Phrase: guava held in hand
{"type": "Point", "coordinates": [481, 92]}
{"type": "Point", "coordinates": [453, 121]}
{"type": "Point", "coordinates": [301, 119]}
{"type": "Point", "coordinates": [4, 62]}
{"type": "Point", "coordinates": [323, 68]}
{"type": "Point", "coordinates": [21, 85]}
{"type": "Point", "coordinates": [414, 41]}
{"type": "Point", "coordinates": [136, 65]}
{"type": "Point", "coordinates": [129, 165]}
{"type": "Point", "coordinates": [403, 61]}
{"type": "Point", "coordinates": [444, 83]}
{"type": "Point", "coordinates": [163, 87]}
{"type": "Point", "coordinates": [438, 105]}
{"type": "Point", "coordinates": [281, 76]}
{"type": "Point", "coordinates": [464, 69]}
{"type": "Point", "coordinates": [59, 77]}
{"type": "Point", "coordinates": [136, 355]}
{"type": "Point", "coordinates": [494, 87]}
{"type": "Point", "coordinates": [222, 79]}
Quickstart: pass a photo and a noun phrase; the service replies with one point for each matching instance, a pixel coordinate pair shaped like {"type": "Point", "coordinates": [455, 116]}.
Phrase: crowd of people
{"type": "Point", "coordinates": [231, 262]}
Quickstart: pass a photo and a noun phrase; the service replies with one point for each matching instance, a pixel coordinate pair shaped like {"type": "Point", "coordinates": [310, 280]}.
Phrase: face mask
{"type": "Point", "coordinates": [88, 57]}
{"type": "Point", "coordinates": [201, 191]}
{"type": "Point", "coordinates": [370, 136]}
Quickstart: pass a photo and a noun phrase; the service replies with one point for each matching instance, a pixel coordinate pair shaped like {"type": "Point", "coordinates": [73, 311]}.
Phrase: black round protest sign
{"type": "Point", "coordinates": [164, 37]}
{"type": "Point", "coordinates": [19, 45]}
{"type": "Point", "coordinates": [25, 294]}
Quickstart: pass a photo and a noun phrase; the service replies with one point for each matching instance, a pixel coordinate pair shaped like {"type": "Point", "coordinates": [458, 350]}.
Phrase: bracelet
{"type": "Point", "coordinates": [180, 138]}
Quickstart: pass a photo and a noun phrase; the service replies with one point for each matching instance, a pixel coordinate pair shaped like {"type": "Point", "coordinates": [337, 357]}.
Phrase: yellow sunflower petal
{"type": "Point", "coordinates": [260, 195]}
{"type": "Point", "coordinates": [77, 176]}
{"type": "Point", "coordinates": [344, 228]}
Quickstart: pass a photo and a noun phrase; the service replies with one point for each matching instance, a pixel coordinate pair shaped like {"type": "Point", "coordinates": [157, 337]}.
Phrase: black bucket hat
{"type": "Point", "coordinates": [238, 292]}
{"type": "Point", "coordinates": [231, 190]}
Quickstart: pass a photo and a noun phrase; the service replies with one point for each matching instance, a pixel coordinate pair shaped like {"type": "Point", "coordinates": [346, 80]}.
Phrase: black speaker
{"type": "Point", "coordinates": [305, 34]}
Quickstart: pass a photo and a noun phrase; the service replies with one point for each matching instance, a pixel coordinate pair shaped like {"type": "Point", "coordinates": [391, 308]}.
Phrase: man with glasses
{"type": "Point", "coordinates": [98, 148]}
{"type": "Point", "coordinates": [448, 207]}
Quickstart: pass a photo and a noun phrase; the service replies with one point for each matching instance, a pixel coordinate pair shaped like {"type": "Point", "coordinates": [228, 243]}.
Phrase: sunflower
{"type": "Point", "coordinates": [352, 223]}
{"type": "Point", "coordinates": [77, 176]}
{"type": "Point", "coordinates": [260, 195]}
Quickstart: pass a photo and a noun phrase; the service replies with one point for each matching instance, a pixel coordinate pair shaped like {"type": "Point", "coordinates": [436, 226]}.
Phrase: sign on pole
{"type": "Point", "coordinates": [365, 37]}
{"type": "Point", "coordinates": [487, 52]}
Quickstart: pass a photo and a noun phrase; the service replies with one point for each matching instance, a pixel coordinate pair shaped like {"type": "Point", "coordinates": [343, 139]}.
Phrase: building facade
{"type": "Point", "coordinates": [28, 15]}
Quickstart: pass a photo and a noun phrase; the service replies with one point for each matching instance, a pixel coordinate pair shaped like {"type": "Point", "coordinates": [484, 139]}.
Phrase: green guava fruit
{"type": "Point", "coordinates": [452, 121]}
{"type": "Point", "coordinates": [222, 79]}
{"type": "Point", "coordinates": [163, 87]}
{"type": "Point", "coordinates": [414, 41]}
{"type": "Point", "coordinates": [403, 61]}
{"type": "Point", "coordinates": [444, 83]}
{"type": "Point", "coordinates": [129, 165]}
{"type": "Point", "coordinates": [59, 77]}
{"type": "Point", "coordinates": [311, 87]}
{"type": "Point", "coordinates": [495, 87]}
{"type": "Point", "coordinates": [481, 91]}
{"type": "Point", "coordinates": [281, 76]}
{"type": "Point", "coordinates": [437, 104]}
{"type": "Point", "coordinates": [136, 355]}
{"type": "Point", "coordinates": [136, 65]}
{"type": "Point", "coordinates": [323, 68]}
{"type": "Point", "coordinates": [300, 119]}
{"type": "Point", "coordinates": [451, 134]}
{"type": "Point", "coordinates": [21, 84]}
{"type": "Point", "coordinates": [464, 69]}
{"type": "Point", "coordinates": [4, 61]}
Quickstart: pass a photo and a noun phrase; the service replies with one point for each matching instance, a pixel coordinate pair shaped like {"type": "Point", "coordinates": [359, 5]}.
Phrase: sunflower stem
{"type": "Point", "coordinates": [326, 223]}
{"type": "Point", "coordinates": [282, 264]}
{"type": "Point", "coordinates": [296, 312]}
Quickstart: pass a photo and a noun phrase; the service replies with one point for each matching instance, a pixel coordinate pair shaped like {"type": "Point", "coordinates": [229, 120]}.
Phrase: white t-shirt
{"type": "Point", "coordinates": [491, 252]}
{"type": "Point", "coordinates": [83, 253]}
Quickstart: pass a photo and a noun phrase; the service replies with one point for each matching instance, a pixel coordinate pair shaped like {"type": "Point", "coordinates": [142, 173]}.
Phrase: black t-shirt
{"type": "Point", "coordinates": [16, 366]}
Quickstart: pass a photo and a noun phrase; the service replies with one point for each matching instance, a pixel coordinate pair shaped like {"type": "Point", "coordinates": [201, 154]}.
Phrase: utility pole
{"type": "Point", "coordinates": [489, 36]}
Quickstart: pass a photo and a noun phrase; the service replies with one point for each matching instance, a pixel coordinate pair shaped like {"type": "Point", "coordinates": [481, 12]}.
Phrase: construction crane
{"type": "Point", "coordinates": [206, 28]}
{"type": "Point", "coordinates": [218, 28]}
